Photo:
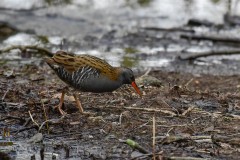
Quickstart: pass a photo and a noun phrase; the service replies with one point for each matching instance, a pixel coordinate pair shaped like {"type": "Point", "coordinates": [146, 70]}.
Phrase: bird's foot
{"type": "Point", "coordinates": [62, 112]}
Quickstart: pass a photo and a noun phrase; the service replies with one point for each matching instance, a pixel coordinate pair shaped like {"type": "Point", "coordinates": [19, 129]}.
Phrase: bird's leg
{"type": "Point", "coordinates": [79, 105]}
{"type": "Point", "coordinates": [59, 106]}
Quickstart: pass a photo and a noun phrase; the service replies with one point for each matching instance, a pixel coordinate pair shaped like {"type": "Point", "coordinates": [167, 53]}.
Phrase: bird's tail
{"type": "Point", "coordinates": [50, 62]}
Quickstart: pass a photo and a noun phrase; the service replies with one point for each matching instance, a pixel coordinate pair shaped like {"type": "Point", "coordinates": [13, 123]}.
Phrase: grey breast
{"type": "Point", "coordinates": [90, 79]}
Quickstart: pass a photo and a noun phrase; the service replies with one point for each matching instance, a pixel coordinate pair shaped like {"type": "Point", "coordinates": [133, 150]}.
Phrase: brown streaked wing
{"type": "Point", "coordinates": [73, 62]}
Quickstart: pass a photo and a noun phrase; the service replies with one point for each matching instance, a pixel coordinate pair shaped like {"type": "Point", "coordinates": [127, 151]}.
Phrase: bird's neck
{"type": "Point", "coordinates": [119, 74]}
{"type": "Point", "coordinates": [113, 73]}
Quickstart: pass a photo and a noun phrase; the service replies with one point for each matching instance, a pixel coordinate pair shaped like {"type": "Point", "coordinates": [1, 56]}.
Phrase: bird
{"type": "Point", "coordinates": [86, 73]}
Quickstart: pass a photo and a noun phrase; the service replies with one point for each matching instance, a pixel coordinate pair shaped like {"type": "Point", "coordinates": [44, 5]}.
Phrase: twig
{"type": "Point", "coordinates": [185, 158]}
{"type": "Point", "coordinates": [192, 121]}
{"type": "Point", "coordinates": [147, 109]}
{"type": "Point", "coordinates": [3, 97]}
{"type": "Point", "coordinates": [204, 141]}
{"type": "Point", "coordinates": [120, 119]}
{"type": "Point", "coordinates": [145, 124]}
{"type": "Point", "coordinates": [165, 103]}
{"type": "Point", "coordinates": [189, 137]}
{"type": "Point", "coordinates": [152, 110]}
{"type": "Point", "coordinates": [33, 47]}
{"type": "Point", "coordinates": [45, 115]}
{"type": "Point", "coordinates": [200, 137]}
{"type": "Point", "coordinates": [27, 120]}
{"type": "Point", "coordinates": [167, 134]}
{"type": "Point", "coordinates": [188, 110]}
{"type": "Point", "coordinates": [154, 137]}
{"type": "Point", "coordinates": [33, 119]}
{"type": "Point", "coordinates": [147, 72]}
{"type": "Point", "coordinates": [186, 85]}
{"type": "Point", "coordinates": [15, 104]}
{"type": "Point", "coordinates": [50, 121]}
{"type": "Point", "coordinates": [170, 126]}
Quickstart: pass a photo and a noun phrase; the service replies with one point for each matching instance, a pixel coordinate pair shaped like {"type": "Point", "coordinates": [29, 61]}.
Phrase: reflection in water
{"type": "Point", "coordinates": [21, 39]}
{"type": "Point", "coordinates": [84, 24]}
{"type": "Point", "coordinates": [129, 62]}
{"type": "Point", "coordinates": [207, 9]}
{"type": "Point", "coordinates": [130, 50]}
{"type": "Point", "coordinates": [157, 62]}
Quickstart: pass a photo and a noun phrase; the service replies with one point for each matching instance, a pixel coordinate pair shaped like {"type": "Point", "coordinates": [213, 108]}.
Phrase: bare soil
{"type": "Point", "coordinates": [196, 116]}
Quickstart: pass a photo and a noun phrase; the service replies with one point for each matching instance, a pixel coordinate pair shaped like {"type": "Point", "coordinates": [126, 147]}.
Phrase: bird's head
{"type": "Point", "coordinates": [127, 77]}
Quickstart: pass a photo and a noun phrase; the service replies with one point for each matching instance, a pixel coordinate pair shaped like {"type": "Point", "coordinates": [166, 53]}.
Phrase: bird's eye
{"type": "Point", "coordinates": [132, 77]}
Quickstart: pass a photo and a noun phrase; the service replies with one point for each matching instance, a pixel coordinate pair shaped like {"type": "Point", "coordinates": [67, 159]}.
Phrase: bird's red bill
{"type": "Point", "coordinates": [136, 88]}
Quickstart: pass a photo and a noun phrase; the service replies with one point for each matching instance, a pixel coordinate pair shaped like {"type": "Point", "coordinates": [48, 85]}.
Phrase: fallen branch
{"type": "Point", "coordinates": [193, 56]}
{"type": "Point", "coordinates": [169, 29]}
{"type": "Point", "coordinates": [198, 22]}
{"type": "Point", "coordinates": [211, 38]}
{"type": "Point", "coordinates": [30, 47]}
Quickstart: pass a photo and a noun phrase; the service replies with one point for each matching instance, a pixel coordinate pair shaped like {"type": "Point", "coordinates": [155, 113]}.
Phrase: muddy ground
{"type": "Point", "coordinates": [196, 116]}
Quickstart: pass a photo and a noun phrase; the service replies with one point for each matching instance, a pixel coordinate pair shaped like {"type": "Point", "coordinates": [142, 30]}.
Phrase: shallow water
{"type": "Point", "coordinates": [107, 28]}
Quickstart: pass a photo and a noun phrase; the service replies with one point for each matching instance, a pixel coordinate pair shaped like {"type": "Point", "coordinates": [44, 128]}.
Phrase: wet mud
{"type": "Point", "coordinates": [196, 116]}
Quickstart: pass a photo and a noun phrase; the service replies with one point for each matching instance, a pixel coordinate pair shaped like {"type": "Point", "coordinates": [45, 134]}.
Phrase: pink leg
{"type": "Point", "coordinates": [59, 106]}
{"type": "Point", "coordinates": [79, 105]}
